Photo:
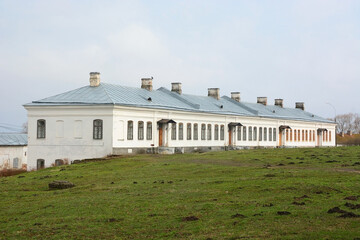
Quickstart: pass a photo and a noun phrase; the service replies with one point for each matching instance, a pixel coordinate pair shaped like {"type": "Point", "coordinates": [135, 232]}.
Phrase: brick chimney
{"type": "Point", "coordinates": [235, 96]}
{"type": "Point", "coordinates": [214, 92]}
{"type": "Point", "coordinates": [94, 79]}
{"type": "Point", "coordinates": [279, 102]}
{"type": "Point", "coordinates": [146, 83]}
{"type": "Point", "coordinates": [300, 105]}
{"type": "Point", "coordinates": [262, 100]}
{"type": "Point", "coordinates": [176, 87]}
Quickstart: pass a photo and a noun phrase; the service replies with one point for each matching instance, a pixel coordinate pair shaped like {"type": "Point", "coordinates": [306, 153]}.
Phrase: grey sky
{"type": "Point", "coordinates": [296, 50]}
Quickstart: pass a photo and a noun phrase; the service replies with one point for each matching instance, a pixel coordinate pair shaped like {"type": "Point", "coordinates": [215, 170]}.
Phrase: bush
{"type": "Point", "coordinates": [11, 172]}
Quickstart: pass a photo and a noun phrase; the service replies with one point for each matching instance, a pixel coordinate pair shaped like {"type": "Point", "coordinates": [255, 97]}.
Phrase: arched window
{"type": "Point", "coordinates": [303, 135]}
{"type": "Point", "coordinates": [274, 134]}
{"type": "Point", "coordinates": [59, 162]}
{"type": "Point", "coordinates": [209, 132]}
{"type": "Point", "coordinates": [41, 128]}
{"type": "Point", "coordinates": [265, 134]}
{"type": "Point", "coordinates": [250, 133]}
{"type": "Point", "coordinates": [239, 133]}
{"type": "Point", "coordinates": [130, 129]}
{"type": "Point", "coordinates": [97, 129]}
{"type": "Point", "coordinates": [299, 135]}
{"type": "Point", "coordinates": [40, 164]}
{"type": "Point", "coordinates": [314, 136]}
{"type": "Point", "coordinates": [203, 131]}
{"type": "Point", "coordinates": [216, 133]}
{"type": "Point", "coordinates": [295, 135]}
{"type": "Point", "coordinates": [140, 130]}
{"type": "Point", "coordinates": [291, 135]}
{"type": "Point", "coordinates": [188, 132]}
{"type": "Point", "coordinates": [148, 130]}
{"type": "Point", "coordinates": [255, 134]}
{"type": "Point", "coordinates": [260, 134]}
{"type": "Point", "coordinates": [287, 134]}
{"type": "Point", "coordinates": [196, 131]}
{"type": "Point", "coordinates": [270, 134]}
{"type": "Point", "coordinates": [222, 132]}
{"type": "Point", "coordinates": [181, 131]}
{"type": "Point", "coordinates": [173, 131]}
{"type": "Point", "coordinates": [310, 136]}
{"type": "Point", "coordinates": [306, 135]}
{"type": "Point", "coordinates": [244, 133]}
{"type": "Point", "coordinates": [16, 163]}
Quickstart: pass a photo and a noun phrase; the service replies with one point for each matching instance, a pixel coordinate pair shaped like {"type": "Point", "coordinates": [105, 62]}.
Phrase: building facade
{"type": "Point", "coordinates": [13, 151]}
{"type": "Point", "coordinates": [105, 119]}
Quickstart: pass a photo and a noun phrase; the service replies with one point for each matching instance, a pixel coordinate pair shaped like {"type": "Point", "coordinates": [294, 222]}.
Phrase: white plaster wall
{"type": "Point", "coordinates": [75, 141]}
{"type": "Point", "coordinates": [8, 153]}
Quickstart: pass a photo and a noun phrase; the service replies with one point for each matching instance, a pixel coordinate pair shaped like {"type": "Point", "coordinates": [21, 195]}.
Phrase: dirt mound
{"type": "Point", "coordinates": [190, 218]}
{"type": "Point", "coordinates": [238, 215]}
{"type": "Point", "coordinates": [352, 198]}
{"type": "Point", "coordinates": [61, 185]}
{"type": "Point", "coordinates": [283, 213]}
{"type": "Point", "coordinates": [336, 210]}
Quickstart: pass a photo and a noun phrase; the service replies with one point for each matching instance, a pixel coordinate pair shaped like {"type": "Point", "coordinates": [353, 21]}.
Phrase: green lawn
{"type": "Point", "coordinates": [215, 195]}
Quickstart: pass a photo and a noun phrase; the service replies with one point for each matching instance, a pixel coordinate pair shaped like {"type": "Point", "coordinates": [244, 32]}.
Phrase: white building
{"type": "Point", "coordinates": [105, 119]}
{"type": "Point", "coordinates": [13, 151]}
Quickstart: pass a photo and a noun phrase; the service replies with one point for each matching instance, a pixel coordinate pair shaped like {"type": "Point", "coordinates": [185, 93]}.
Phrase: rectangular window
{"type": "Point", "coordinates": [250, 133]}
{"type": "Point", "coordinates": [295, 135]}
{"type": "Point", "coordinates": [203, 131]}
{"type": "Point", "coordinates": [209, 132]}
{"type": "Point", "coordinates": [222, 132]}
{"type": "Point", "coordinates": [299, 135]}
{"type": "Point", "coordinates": [255, 133]}
{"type": "Point", "coordinates": [270, 134]}
{"type": "Point", "coordinates": [287, 135]}
{"type": "Point", "coordinates": [149, 131]}
{"type": "Point", "coordinates": [303, 135]}
{"type": "Point", "coordinates": [98, 129]}
{"type": "Point", "coordinates": [78, 129]}
{"type": "Point", "coordinates": [130, 130]}
{"type": "Point", "coordinates": [41, 128]}
{"type": "Point", "coordinates": [314, 135]}
{"type": "Point", "coordinates": [181, 131]}
{"type": "Point", "coordinates": [59, 129]}
{"type": "Point", "coordinates": [265, 134]}
{"type": "Point", "coordinates": [196, 131]}
{"type": "Point", "coordinates": [274, 134]}
{"type": "Point", "coordinates": [216, 133]}
{"type": "Point", "coordinates": [239, 133]}
{"type": "Point", "coordinates": [244, 133]}
{"type": "Point", "coordinates": [306, 135]}
{"type": "Point", "coordinates": [329, 136]}
{"type": "Point", "coordinates": [188, 131]}
{"type": "Point", "coordinates": [290, 135]}
{"type": "Point", "coordinates": [173, 131]}
{"type": "Point", "coordinates": [260, 134]}
{"type": "Point", "coordinates": [141, 130]}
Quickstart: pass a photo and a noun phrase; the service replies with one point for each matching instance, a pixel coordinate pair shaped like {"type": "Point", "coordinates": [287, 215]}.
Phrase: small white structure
{"type": "Point", "coordinates": [103, 119]}
{"type": "Point", "coordinates": [13, 151]}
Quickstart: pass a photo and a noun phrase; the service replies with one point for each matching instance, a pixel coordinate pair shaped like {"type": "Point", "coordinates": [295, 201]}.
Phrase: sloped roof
{"type": "Point", "coordinates": [13, 139]}
{"type": "Point", "coordinates": [162, 98]}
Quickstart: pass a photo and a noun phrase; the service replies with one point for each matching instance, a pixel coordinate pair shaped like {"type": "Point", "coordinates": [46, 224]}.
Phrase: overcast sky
{"type": "Point", "coordinates": [296, 50]}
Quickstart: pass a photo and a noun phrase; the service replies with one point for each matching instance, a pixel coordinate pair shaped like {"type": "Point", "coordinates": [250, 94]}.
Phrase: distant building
{"type": "Point", "coordinates": [106, 119]}
{"type": "Point", "coordinates": [13, 151]}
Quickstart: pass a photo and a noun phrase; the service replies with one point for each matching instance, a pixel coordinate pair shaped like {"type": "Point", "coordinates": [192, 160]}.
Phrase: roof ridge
{"type": "Point", "coordinates": [177, 96]}
{"type": "Point", "coordinates": [240, 105]}
{"type": "Point", "coordinates": [107, 94]}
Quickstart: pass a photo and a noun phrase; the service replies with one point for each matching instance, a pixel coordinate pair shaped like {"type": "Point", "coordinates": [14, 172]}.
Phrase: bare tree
{"type": "Point", "coordinates": [356, 124]}
{"type": "Point", "coordinates": [348, 122]}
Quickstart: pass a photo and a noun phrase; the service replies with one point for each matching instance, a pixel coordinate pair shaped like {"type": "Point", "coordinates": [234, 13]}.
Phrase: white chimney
{"type": "Point", "coordinates": [262, 100]}
{"type": "Point", "coordinates": [279, 102]}
{"type": "Point", "coordinates": [214, 92]}
{"type": "Point", "coordinates": [94, 79]}
{"type": "Point", "coordinates": [146, 83]}
{"type": "Point", "coordinates": [176, 87]}
{"type": "Point", "coordinates": [235, 96]}
{"type": "Point", "coordinates": [300, 105]}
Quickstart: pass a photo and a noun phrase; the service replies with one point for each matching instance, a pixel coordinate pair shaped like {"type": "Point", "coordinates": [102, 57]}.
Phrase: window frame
{"type": "Point", "coordinates": [140, 130]}
{"type": "Point", "coordinates": [130, 130]}
{"type": "Point", "coordinates": [148, 130]}
{"type": "Point", "coordinates": [98, 129]}
{"type": "Point", "coordinates": [41, 129]}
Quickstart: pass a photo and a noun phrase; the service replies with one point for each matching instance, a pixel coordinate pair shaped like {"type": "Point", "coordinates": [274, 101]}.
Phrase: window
{"type": "Point", "coordinates": [40, 164]}
{"type": "Point", "coordinates": [196, 131]}
{"type": "Point", "coordinates": [244, 133]}
{"type": "Point", "coordinates": [250, 133]}
{"type": "Point", "coordinates": [209, 132]}
{"type": "Point", "coordinates": [274, 134]}
{"type": "Point", "coordinates": [265, 134]}
{"type": "Point", "coordinates": [260, 134]}
{"type": "Point", "coordinates": [239, 133]}
{"type": "Point", "coordinates": [290, 134]}
{"type": "Point", "coordinates": [310, 136]}
{"type": "Point", "coordinates": [97, 129]}
{"type": "Point", "coordinates": [270, 134]}
{"type": "Point", "coordinates": [41, 128]}
{"type": "Point", "coordinates": [130, 130]}
{"type": "Point", "coordinates": [295, 138]}
{"type": "Point", "coordinates": [141, 130]}
{"type": "Point", "coordinates": [188, 132]}
{"type": "Point", "coordinates": [181, 131]}
{"type": "Point", "coordinates": [216, 133]}
{"type": "Point", "coordinates": [16, 163]}
{"type": "Point", "coordinates": [148, 130]}
{"type": "Point", "coordinates": [203, 129]}
{"type": "Point", "coordinates": [303, 135]}
{"type": "Point", "coordinates": [287, 135]}
{"type": "Point", "coordinates": [329, 136]}
{"type": "Point", "coordinates": [222, 132]}
{"type": "Point", "coordinates": [59, 162]}
{"type": "Point", "coordinates": [255, 134]}
{"type": "Point", "coordinates": [299, 135]}
{"type": "Point", "coordinates": [314, 135]}
{"type": "Point", "coordinates": [306, 135]}
{"type": "Point", "coordinates": [173, 131]}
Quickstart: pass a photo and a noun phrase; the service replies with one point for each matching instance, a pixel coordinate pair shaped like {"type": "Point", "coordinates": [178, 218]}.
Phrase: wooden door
{"type": "Point", "coordinates": [160, 136]}
{"type": "Point", "coordinates": [230, 137]}
{"type": "Point", "coordinates": [280, 138]}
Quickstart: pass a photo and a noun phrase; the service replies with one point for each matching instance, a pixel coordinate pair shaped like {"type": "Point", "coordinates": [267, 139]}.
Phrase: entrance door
{"type": "Point", "coordinates": [230, 137]}
{"type": "Point", "coordinates": [160, 136]}
{"type": "Point", "coordinates": [280, 138]}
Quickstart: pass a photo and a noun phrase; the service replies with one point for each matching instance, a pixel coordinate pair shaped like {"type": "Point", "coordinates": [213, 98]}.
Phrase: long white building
{"type": "Point", "coordinates": [103, 119]}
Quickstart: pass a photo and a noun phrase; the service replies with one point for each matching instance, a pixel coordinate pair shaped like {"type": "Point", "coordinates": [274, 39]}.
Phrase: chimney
{"type": "Point", "coordinates": [176, 87]}
{"type": "Point", "coordinates": [235, 96]}
{"type": "Point", "coordinates": [214, 92]}
{"type": "Point", "coordinates": [262, 100]}
{"type": "Point", "coordinates": [94, 79]}
{"type": "Point", "coordinates": [146, 83]}
{"type": "Point", "coordinates": [279, 102]}
{"type": "Point", "coordinates": [300, 105]}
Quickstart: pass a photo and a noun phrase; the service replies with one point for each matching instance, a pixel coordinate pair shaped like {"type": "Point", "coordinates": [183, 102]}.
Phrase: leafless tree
{"type": "Point", "coordinates": [348, 122]}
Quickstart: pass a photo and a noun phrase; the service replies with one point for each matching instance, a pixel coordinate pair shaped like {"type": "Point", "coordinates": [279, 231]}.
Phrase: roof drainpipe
{"type": "Point", "coordinates": [262, 100]}
{"type": "Point", "coordinates": [176, 87]}
{"type": "Point", "coordinates": [235, 96]}
{"type": "Point", "coordinates": [279, 102]}
{"type": "Point", "coordinates": [300, 105]}
{"type": "Point", "coordinates": [214, 92]}
{"type": "Point", "coordinates": [146, 83]}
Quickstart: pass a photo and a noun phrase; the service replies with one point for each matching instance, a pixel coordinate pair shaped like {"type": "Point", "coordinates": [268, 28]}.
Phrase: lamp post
{"type": "Point", "coordinates": [335, 121]}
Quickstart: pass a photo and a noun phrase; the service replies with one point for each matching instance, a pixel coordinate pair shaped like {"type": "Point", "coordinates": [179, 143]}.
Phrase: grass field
{"type": "Point", "coordinates": [247, 194]}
